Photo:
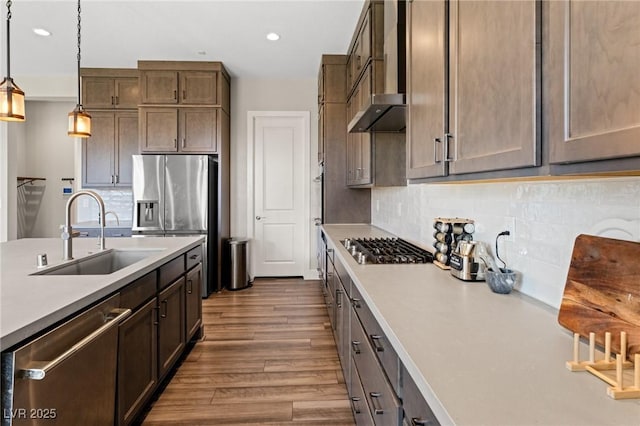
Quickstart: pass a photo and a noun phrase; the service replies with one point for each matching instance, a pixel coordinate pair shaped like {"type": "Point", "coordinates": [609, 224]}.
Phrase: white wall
{"type": "Point", "coordinates": [269, 95]}
{"type": "Point", "coordinates": [47, 151]}
{"type": "Point", "coordinates": [544, 216]}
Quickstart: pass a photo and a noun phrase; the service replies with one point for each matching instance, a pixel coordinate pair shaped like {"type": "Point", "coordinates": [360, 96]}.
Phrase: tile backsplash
{"type": "Point", "coordinates": [544, 218]}
{"type": "Point", "coordinates": [118, 200]}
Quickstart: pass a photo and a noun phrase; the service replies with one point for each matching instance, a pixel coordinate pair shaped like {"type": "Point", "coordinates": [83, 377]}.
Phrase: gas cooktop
{"type": "Point", "coordinates": [385, 250]}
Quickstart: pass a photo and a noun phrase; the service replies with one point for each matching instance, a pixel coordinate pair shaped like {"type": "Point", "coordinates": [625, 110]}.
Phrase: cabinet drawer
{"type": "Point", "coordinates": [170, 271]}
{"type": "Point", "coordinates": [139, 291]}
{"type": "Point", "coordinates": [416, 409]}
{"type": "Point", "coordinates": [378, 340]}
{"type": "Point", "coordinates": [359, 405]}
{"type": "Point", "coordinates": [383, 404]}
{"type": "Point", "coordinates": [194, 256]}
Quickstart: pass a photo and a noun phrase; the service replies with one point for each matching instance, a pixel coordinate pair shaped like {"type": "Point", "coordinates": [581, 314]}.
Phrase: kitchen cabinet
{"type": "Point", "coordinates": [193, 301]}
{"type": "Point", "coordinates": [473, 100]}
{"type": "Point", "coordinates": [592, 81]}
{"type": "Point", "coordinates": [179, 87]}
{"type": "Point", "coordinates": [111, 98]}
{"type": "Point", "coordinates": [171, 325]}
{"type": "Point", "coordinates": [183, 107]}
{"type": "Point", "coordinates": [416, 410]}
{"type": "Point", "coordinates": [380, 398]}
{"type": "Point", "coordinates": [137, 361]}
{"type": "Point", "coordinates": [373, 159]}
{"type": "Point", "coordinates": [367, 42]}
{"type": "Point", "coordinates": [359, 154]}
{"type": "Point", "coordinates": [180, 130]}
{"type": "Point", "coordinates": [109, 88]}
{"type": "Point", "coordinates": [106, 154]}
{"type": "Point", "coordinates": [340, 204]}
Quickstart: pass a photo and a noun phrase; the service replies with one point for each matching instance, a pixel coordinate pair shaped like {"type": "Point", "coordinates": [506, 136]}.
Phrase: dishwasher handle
{"type": "Point", "coordinates": [38, 369]}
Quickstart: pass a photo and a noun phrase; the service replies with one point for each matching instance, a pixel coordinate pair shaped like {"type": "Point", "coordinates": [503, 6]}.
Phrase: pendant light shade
{"type": "Point", "coordinates": [11, 97]}
{"type": "Point", "coordinates": [79, 123]}
{"type": "Point", "coordinates": [79, 119]}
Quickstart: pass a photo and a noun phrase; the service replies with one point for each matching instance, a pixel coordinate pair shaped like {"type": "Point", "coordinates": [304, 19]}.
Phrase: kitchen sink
{"type": "Point", "coordinates": [102, 263]}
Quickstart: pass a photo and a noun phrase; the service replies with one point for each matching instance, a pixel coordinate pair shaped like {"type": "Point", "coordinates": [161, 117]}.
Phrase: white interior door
{"type": "Point", "coordinates": [279, 142]}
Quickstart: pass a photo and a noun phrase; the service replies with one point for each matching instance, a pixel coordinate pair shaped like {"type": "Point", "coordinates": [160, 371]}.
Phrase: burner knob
{"type": "Point", "coordinates": [347, 243]}
{"type": "Point", "coordinates": [362, 259]}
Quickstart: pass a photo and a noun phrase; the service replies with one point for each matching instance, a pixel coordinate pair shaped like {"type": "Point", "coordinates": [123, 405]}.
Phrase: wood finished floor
{"type": "Point", "coordinates": [268, 357]}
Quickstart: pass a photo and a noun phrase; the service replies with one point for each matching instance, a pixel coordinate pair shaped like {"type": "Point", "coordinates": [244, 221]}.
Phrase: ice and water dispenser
{"type": "Point", "coordinates": [148, 214]}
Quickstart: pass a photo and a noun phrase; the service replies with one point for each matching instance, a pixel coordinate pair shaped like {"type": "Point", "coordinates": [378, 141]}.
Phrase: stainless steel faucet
{"type": "Point", "coordinates": [67, 237]}
{"type": "Point", "coordinates": [114, 215]}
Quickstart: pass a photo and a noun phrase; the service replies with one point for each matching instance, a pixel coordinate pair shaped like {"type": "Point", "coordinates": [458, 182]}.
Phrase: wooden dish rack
{"type": "Point", "coordinates": [601, 303]}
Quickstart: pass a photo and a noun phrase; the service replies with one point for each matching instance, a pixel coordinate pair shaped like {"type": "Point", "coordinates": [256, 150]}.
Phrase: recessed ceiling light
{"type": "Point", "coordinates": [273, 36]}
{"type": "Point", "coordinates": [41, 32]}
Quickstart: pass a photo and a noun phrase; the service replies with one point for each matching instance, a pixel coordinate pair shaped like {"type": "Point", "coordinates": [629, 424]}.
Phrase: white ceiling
{"type": "Point", "coordinates": [117, 33]}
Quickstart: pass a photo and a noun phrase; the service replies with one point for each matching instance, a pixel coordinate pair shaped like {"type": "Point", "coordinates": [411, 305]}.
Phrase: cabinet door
{"type": "Point", "coordinates": [198, 87]}
{"type": "Point", "coordinates": [494, 85]}
{"type": "Point", "coordinates": [98, 152]}
{"type": "Point", "coordinates": [199, 130]}
{"type": "Point", "coordinates": [193, 301]}
{"type": "Point", "coordinates": [364, 150]}
{"type": "Point", "coordinates": [171, 327]}
{"type": "Point", "coordinates": [137, 361]}
{"type": "Point", "coordinates": [159, 87]}
{"type": "Point", "coordinates": [592, 80]}
{"type": "Point", "coordinates": [426, 88]}
{"type": "Point", "coordinates": [126, 146]}
{"type": "Point", "coordinates": [126, 93]}
{"type": "Point", "coordinates": [98, 92]}
{"type": "Point", "coordinates": [321, 124]}
{"type": "Point", "coordinates": [158, 129]}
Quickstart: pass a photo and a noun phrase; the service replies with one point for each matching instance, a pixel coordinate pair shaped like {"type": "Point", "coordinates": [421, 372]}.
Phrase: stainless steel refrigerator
{"type": "Point", "coordinates": [176, 195]}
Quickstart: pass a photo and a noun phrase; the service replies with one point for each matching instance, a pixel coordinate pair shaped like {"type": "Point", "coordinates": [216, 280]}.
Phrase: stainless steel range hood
{"type": "Point", "coordinates": [385, 113]}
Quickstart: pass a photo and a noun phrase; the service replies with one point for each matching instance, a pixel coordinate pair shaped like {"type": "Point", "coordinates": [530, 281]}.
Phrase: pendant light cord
{"type": "Point", "coordinates": [8, 42]}
{"type": "Point", "coordinates": [79, 27]}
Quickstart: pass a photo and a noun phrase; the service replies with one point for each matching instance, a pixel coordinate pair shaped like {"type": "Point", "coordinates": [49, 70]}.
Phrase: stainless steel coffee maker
{"type": "Point", "coordinates": [464, 263]}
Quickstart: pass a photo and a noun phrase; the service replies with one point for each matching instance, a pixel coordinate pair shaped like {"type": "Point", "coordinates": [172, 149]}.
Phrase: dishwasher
{"type": "Point", "coordinates": [66, 376]}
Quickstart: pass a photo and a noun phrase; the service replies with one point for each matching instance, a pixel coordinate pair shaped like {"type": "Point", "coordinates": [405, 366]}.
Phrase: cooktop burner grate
{"type": "Point", "coordinates": [385, 250]}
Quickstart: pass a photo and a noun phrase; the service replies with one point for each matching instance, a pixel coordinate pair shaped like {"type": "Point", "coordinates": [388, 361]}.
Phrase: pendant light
{"type": "Point", "coordinates": [79, 120]}
{"type": "Point", "coordinates": [11, 97]}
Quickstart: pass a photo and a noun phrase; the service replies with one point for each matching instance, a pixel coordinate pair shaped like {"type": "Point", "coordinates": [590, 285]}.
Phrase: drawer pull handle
{"type": "Point", "coordinates": [416, 421]}
{"type": "Point", "coordinates": [354, 401]}
{"type": "Point", "coordinates": [356, 303]}
{"type": "Point", "coordinates": [355, 345]}
{"type": "Point", "coordinates": [193, 257]}
{"type": "Point", "coordinates": [339, 298]}
{"type": "Point", "coordinates": [166, 307]}
{"type": "Point", "coordinates": [189, 286]}
{"type": "Point", "coordinates": [375, 339]}
{"type": "Point", "coordinates": [377, 409]}
{"type": "Point", "coordinates": [38, 369]}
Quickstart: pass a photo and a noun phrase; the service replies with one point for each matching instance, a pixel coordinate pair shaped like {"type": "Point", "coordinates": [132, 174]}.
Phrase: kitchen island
{"type": "Point", "coordinates": [31, 303]}
{"type": "Point", "coordinates": [478, 357]}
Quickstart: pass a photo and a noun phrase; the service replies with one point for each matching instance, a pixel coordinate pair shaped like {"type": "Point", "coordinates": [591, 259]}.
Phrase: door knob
{"type": "Point", "coordinates": [260, 217]}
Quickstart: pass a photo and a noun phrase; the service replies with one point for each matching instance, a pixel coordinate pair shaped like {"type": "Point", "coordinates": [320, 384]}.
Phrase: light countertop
{"type": "Point", "coordinates": [30, 303]}
{"type": "Point", "coordinates": [479, 357]}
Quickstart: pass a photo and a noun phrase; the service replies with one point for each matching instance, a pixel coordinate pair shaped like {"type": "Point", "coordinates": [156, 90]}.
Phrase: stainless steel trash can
{"type": "Point", "coordinates": [239, 259]}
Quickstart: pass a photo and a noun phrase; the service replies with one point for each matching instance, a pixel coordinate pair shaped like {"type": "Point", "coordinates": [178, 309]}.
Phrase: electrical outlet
{"type": "Point", "coordinates": [509, 225]}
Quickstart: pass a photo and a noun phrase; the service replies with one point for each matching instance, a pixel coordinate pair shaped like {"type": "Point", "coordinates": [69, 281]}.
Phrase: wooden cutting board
{"type": "Point", "coordinates": [602, 292]}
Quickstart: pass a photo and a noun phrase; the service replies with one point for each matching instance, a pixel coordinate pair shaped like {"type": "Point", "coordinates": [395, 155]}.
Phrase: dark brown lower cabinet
{"type": "Point", "coordinates": [193, 295]}
{"type": "Point", "coordinates": [137, 361]}
{"type": "Point", "coordinates": [171, 325]}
